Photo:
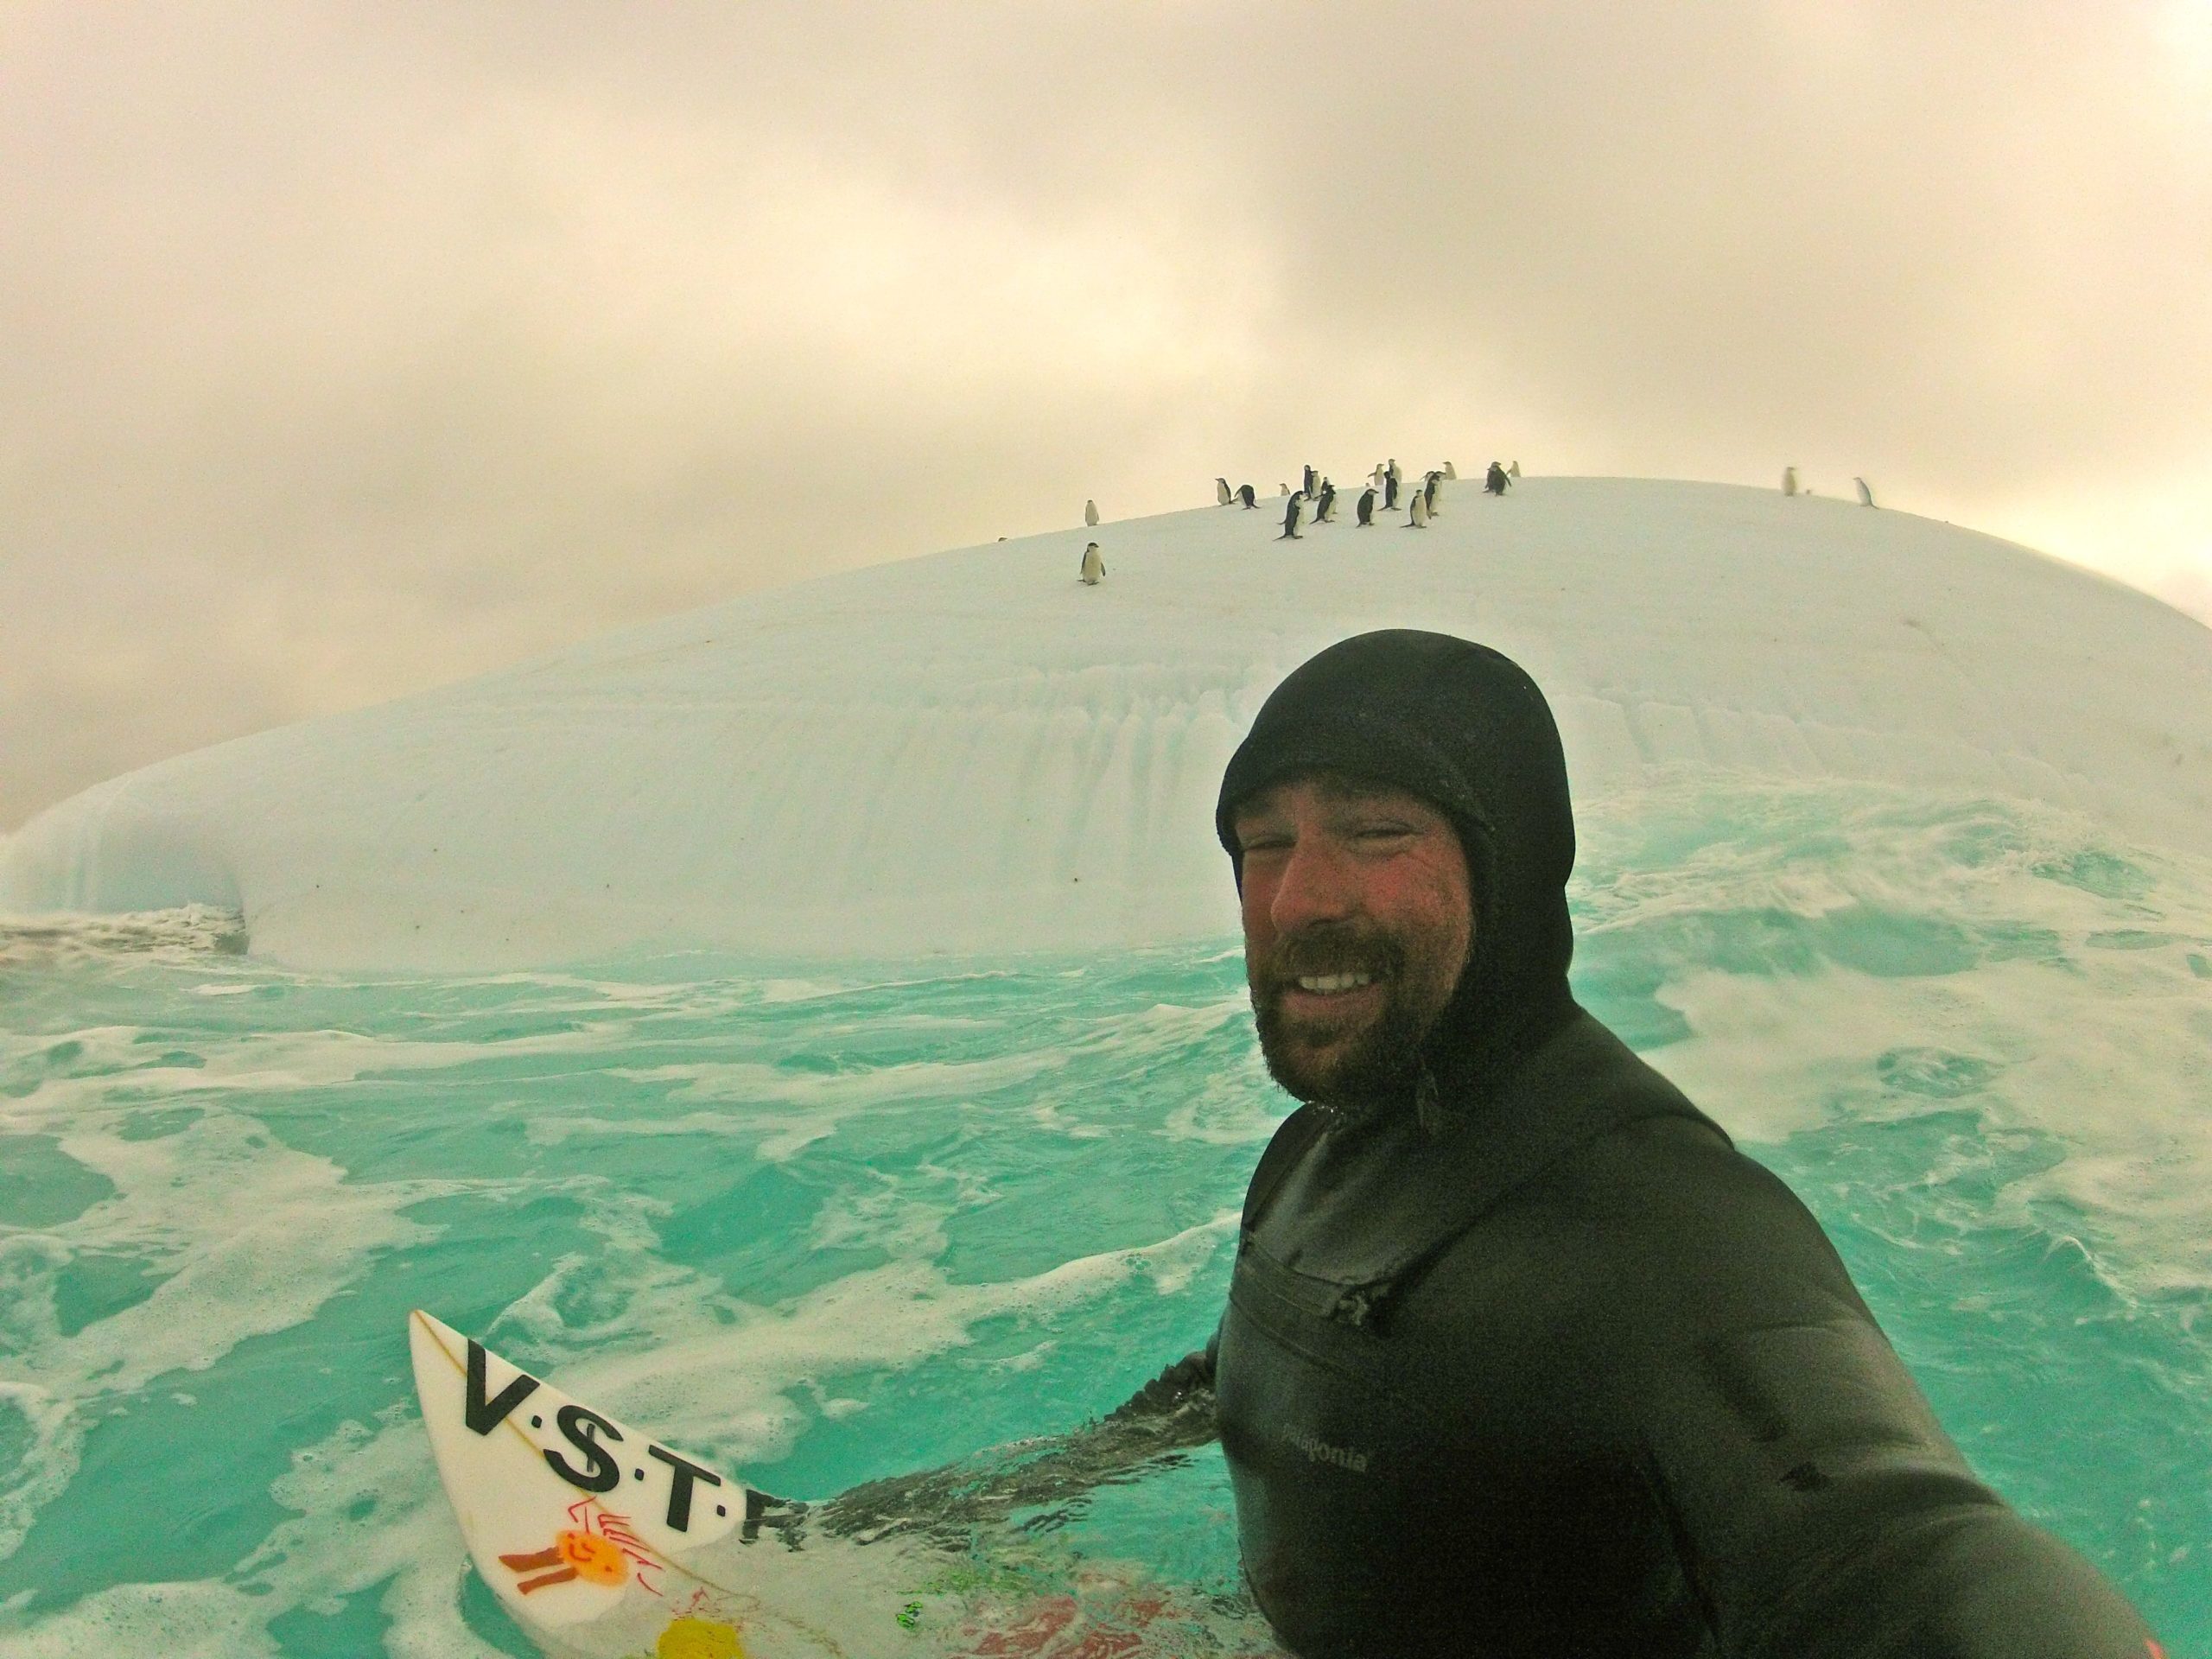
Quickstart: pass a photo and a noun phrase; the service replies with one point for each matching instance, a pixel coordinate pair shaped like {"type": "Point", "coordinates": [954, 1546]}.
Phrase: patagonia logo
{"type": "Point", "coordinates": [1319, 1451]}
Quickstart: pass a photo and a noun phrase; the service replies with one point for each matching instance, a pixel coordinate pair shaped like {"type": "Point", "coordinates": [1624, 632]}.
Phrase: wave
{"type": "Point", "coordinates": [54, 940]}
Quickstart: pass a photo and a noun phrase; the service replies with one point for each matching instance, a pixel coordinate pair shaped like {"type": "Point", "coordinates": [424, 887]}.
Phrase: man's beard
{"type": "Point", "coordinates": [1381, 1063]}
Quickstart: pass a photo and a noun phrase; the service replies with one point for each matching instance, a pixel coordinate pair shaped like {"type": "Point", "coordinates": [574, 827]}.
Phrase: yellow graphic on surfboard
{"type": "Point", "coordinates": [698, 1638]}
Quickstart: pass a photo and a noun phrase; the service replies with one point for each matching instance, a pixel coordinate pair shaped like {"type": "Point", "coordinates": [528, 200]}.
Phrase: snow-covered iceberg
{"type": "Point", "coordinates": [974, 751]}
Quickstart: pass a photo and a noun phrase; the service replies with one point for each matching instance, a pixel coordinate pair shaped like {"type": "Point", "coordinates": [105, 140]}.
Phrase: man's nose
{"type": "Point", "coordinates": [1316, 887]}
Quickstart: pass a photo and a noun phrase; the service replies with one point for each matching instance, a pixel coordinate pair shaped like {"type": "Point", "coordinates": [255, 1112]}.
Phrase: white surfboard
{"type": "Point", "coordinates": [604, 1543]}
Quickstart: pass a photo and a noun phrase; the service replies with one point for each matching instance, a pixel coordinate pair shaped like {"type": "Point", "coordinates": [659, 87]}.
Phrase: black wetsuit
{"type": "Point", "coordinates": [1531, 1361]}
{"type": "Point", "coordinates": [1574, 1376]}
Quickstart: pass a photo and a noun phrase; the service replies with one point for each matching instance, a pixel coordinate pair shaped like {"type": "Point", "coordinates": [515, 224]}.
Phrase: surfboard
{"type": "Point", "coordinates": [603, 1542]}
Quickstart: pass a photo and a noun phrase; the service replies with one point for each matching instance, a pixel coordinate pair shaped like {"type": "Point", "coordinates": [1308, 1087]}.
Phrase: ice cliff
{"type": "Point", "coordinates": [974, 751]}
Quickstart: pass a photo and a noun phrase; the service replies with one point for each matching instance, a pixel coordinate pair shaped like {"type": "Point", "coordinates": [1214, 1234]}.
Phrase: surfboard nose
{"type": "Point", "coordinates": [570, 1516]}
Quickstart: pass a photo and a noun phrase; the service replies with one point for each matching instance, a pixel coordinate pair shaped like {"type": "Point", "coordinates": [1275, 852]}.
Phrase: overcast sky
{"type": "Point", "coordinates": [349, 349]}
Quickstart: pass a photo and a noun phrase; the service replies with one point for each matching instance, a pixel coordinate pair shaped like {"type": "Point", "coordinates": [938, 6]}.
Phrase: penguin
{"type": "Point", "coordinates": [1313, 484]}
{"type": "Point", "coordinates": [1514, 472]}
{"type": "Point", "coordinates": [1291, 515]}
{"type": "Point", "coordinates": [1093, 566]}
{"type": "Point", "coordinates": [1497, 480]}
{"type": "Point", "coordinates": [1091, 513]}
{"type": "Point", "coordinates": [1223, 494]}
{"type": "Point", "coordinates": [1248, 496]}
{"type": "Point", "coordinates": [1450, 471]}
{"type": "Point", "coordinates": [1390, 490]}
{"type": "Point", "coordinates": [1865, 495]}
{"type": "Point", "coordinates": [1790, 480]}
{"type": "Point", "coordinates": [1282, 489]}
{"type": "Point", "coordinates": [1375, 478]}
{"type": "Point", "coordinates": [1367, 510]}
{"type": "Point", "coordinates": [1429, 494]}
{"type": "Point", "coordinates": [1418, 519]}
{"type": "Point", "coordinates": [1325, 509]}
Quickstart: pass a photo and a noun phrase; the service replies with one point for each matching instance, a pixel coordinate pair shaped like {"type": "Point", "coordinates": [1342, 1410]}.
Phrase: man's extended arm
{"type": "Point", "coordinates": [1821, 1514]}
{"type": "Point", "coordinates": [1820, 1510]}
{"type": "Point", "coordinates": [1169, 1414]}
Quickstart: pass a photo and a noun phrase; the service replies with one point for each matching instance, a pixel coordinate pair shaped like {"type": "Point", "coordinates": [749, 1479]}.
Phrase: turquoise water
{"type": "Point", "coordinates": [824, 1224]}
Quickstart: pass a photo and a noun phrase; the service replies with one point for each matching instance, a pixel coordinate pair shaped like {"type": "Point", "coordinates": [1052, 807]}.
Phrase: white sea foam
{"type": "Point", "coordinates": [669, 1346]}
{"type": "Point", "coordinates": [275, 1062]}
{"type": "Point", "coordinates": [2069, 995]}
{"type": "Point", "coordinates": [253, 1238]}
{"type": "Point", "coordinates": [197, 1619]}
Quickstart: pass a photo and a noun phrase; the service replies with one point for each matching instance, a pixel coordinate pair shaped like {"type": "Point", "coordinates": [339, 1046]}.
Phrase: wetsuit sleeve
{"type": "Point", "coordinates": [1819, 1510]}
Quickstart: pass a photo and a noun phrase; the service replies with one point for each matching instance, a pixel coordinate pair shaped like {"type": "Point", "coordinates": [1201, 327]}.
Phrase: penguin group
{"type": "Point", "coordinates": [1315, 490]}
{"type": "Point", "coordinates": [1790, 485]}
{"type": "Point", "coordinates": [1314, 499]}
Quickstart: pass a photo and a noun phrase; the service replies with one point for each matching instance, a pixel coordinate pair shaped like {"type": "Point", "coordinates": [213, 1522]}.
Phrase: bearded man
{"type": "Point", "coordinates": [1521, 1356]}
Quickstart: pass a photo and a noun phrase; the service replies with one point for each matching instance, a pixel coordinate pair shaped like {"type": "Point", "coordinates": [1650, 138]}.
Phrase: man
{"type": "Point", "coordinates": [1521, 1356]}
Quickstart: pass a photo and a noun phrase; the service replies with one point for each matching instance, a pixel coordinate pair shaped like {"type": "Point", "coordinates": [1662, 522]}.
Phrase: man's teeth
{"type": "Point", "coordinates": [1325, 982]}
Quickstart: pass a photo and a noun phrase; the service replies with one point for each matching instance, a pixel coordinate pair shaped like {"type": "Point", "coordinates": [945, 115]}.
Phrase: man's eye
{"type": "Point", "coordinates": [1251, 844]}
{"type": "Point", "coordinates": [1383, 832]}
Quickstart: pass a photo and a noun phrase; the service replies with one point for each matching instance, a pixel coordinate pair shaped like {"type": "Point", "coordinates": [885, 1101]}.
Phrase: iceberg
{"type": "Point", "coordinates": [973, 751]}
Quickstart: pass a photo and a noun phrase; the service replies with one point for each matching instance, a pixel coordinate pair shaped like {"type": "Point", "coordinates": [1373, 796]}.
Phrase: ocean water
{"type": "Point", "coordinates": [824, 1223]}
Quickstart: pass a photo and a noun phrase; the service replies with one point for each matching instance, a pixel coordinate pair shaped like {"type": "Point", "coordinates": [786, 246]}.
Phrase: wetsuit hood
{"type": "Point", "coordinates": [1465, 728]}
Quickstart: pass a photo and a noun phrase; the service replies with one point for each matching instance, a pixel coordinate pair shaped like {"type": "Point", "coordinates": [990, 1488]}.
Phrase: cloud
{"type": "Point", "coordinates": [347, 348]}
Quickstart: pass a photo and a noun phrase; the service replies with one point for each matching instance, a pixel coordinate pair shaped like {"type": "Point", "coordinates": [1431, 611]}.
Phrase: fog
{"type": "Point", "coordinates": [345, 350]}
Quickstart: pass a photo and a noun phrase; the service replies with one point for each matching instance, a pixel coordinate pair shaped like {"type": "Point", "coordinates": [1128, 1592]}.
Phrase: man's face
{"type": "Point", "coordinates": [1358, 921]}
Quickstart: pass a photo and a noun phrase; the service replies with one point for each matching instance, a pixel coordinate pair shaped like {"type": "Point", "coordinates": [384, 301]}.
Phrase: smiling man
{"type": "Point", "coordinates": [1356, 925]}
{"type": "Point", "coordinates": [1521, 1356]}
